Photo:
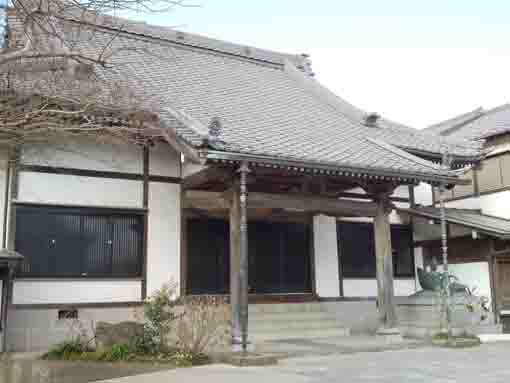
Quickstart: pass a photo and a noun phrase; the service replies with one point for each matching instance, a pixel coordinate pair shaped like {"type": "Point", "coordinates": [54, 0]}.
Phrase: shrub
{"type": "Point", "coordinates": [116, 353]}
{"type": "Point", "coordinates": [204, 323]}
{"type": "Point", "coordinates": [66, 350]}
{"type": "Point", "coordinates": [160, 316]}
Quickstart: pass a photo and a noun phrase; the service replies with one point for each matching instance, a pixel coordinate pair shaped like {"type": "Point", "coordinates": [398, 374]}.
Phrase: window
{"type": "Point", "coordinates": [356, 248]}
{"type": "Point", "coordinates": [79, 242]}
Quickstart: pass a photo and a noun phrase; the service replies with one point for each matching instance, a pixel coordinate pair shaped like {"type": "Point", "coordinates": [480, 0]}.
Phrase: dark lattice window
{"type": "Point", "coordinates": [356, 249]}
{"type": "Point", "coordinates": [79, 242]}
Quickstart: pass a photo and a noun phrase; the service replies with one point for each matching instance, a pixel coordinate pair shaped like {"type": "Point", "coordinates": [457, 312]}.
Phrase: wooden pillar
{"type": "Point", "coordinates": [235, 254]}
{"type": "Point", "coordinates": [243, 259]}
{"type": "Point", "coordinates": [7, 284]}
{"type": "Point", "coordinates": [239, 260]}
{"type": "Point", "coordinates": [384, 262]}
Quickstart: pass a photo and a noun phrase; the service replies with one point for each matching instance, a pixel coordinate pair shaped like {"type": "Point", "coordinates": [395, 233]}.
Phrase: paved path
{"type": "Point", "coordinates": [487, 364]}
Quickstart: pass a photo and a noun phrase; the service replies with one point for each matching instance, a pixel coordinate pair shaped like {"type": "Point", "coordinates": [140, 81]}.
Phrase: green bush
{"type": "Point", "coordinates": [118, 352]}
{"type": "Point", "coordinates": [160, 316]}
{"type": "Point", "coordinates": [66, 350]}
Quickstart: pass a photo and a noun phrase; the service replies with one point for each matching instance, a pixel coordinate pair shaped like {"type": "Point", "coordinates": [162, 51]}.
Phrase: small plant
{"type": "Point", "coordinates": [66, 350]}
{"type": "Point", "coordinates": [203, 323]}
{"type": "Point", "coordinates": [117, 352]}
{"type": "Point", "coordinates": [160, 315]}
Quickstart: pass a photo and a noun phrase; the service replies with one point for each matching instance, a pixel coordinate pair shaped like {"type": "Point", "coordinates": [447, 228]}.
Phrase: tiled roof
{"type": "Point", "coordinates": [475, 125]}
{"type": "Point", "coordinates": [473, 219]}
{"type": "Point", "coordinates": [267, 102]}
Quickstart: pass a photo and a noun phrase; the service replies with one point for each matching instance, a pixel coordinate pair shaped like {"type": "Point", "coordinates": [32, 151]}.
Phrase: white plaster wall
{"type": "Point", "coordinates": [86, 153]}
{"type": "Point", "coordinates": [75, 291]}
{"type": "Point", "coordinates": [368, 287]}
{"type": "Point", "coordinates": [475, 275]}
{"type": "Point", "coordinates": [401, 191]}
{"type": "Point", "coordinates": [423, 194]}
{"type": "Point", "coordinates": [3, 181]}
{"type": "Point", "coordinates": [76, 190]}
{"type": "Point", "coordinates": [326, 256]}
{"type": "Point", "coordinates": [418, 263]}
{"type": "Point", "coordinates": [496, 204]}
{"type": "Point", "coordinates": [164, 161]}
{"type": "Point", "coordinates": [164, 242]}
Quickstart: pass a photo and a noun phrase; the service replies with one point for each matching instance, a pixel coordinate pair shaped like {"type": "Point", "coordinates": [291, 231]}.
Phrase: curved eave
{"type": "Point", "coordinates": [387, 175]}
{"type": "Point", "coordinates": [437, 157]}
{"type": "Point", "coordinates": [470, 225]}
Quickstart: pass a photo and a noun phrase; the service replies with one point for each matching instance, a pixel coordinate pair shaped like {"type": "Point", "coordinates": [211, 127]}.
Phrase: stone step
{"type": "Point", "coordinates": [289, 316]}
{"type": "Point", "coordinates": [487, 329]}
{"type": "Point", "coordinates": [284, 307]}
{"type": "Point", "coordinates": [299, 334]}
{"type": "Point", "coordinates": [268, 326]}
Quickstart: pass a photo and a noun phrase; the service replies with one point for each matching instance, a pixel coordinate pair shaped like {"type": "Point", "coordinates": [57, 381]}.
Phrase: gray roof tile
{"type": "Point", "coordinates": [476, 125]}
{"type": "Point", "coordinates": [267, 104]}
{"type": "Point", "coordinates": [473, 219]}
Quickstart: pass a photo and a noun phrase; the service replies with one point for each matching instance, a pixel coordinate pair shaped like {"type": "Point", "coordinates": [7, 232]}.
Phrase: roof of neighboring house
{"type": "Point", "coordinates": [265, 105]}
{"type": "Point", "coordinates": [473, 219]}
{"type": "Point", "coordinates": [475, 125]}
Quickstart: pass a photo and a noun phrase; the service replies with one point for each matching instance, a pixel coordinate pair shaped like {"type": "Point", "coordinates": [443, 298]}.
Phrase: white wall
{"type": "Point", "coordinates": [326, 256]}
{"type": "Point", "coordinates": [3, 181]}
{"type": "Point", "coordinates": [496, 204]}
{"type": "Point", "coordinates": [76, 190]}
{"type": "Point", "coordinates": [418, 263]}
{"type": "Point", "coordinates": [423, 194]}
{"type": "Point", "coordinates": [164, 214]}
{"type": "Point", "coordinates": [75, 291]}
{"type": "Point", "coordinates": [475, 275]}
{"type": "Point", "coordinates": [164, 242]}
{"type": "Point", "coordinates": [368, 287]}
{"type": "Point", "coordinates": [164, 161]}
{"type": "Point", "coordinates": [86, 153]}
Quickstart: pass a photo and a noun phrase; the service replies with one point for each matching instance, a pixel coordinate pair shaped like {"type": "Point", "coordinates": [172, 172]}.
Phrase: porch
{"type": "Point", "coordinates": [263, 234]}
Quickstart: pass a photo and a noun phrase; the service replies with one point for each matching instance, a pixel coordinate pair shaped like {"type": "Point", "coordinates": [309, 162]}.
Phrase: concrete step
{"type": "Point", "coordinates": [293, 321]}
{"type": "Point", "coordinates": [487, 329]}
{"type": "Point", "coordinates": [315, 333]}
{"type": "Point", "coordinates": [262, 326]}
{"type": "Point", "coordinates": [289, 316]}
{"type": "Point", "coordinates": [284, 307]}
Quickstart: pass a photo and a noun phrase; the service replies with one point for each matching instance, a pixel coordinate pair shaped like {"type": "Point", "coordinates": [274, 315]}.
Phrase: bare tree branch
{"type": "Point", "coordinates": [50, 86]}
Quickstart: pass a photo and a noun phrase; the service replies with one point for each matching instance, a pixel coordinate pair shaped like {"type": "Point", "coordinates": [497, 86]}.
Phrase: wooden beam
{"type": "Point", "coordinates": [312, 204]}
{"type": "Point", "coordinates": [205, 200]}
{"type": "Point", "coordinates": [204, 176]}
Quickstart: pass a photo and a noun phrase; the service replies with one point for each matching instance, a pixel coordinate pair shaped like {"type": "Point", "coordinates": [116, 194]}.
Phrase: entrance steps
{"type": "Point", "coordinates": [292, 321]}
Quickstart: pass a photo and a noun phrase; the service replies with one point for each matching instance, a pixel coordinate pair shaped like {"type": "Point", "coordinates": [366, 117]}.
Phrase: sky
{"type": "Point", "coordinates": [417, 62]}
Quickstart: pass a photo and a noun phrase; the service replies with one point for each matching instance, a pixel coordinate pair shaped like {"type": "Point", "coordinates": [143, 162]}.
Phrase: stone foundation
{"type": "Point", "coordinates": [420, 316]}
{"type": "Point", "coordinates": [37, 329]}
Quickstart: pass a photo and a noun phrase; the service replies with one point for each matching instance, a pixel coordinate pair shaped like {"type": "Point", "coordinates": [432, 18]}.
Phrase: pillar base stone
{"type": "Point", "coordinates": [239, 348]}
{"type": "Point", "coordinates": [250, 359]}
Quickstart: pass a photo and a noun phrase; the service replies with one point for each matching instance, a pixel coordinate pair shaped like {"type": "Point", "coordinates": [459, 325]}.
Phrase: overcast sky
{"type": "Point", "coordinates": [415, 61]}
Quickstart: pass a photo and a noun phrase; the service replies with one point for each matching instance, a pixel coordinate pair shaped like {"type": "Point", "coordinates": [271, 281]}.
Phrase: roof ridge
{"type": "Point", "coordinates": [193, 40]}
{"type": "Point", "coordinates": [496, 109]}
{"type": "Point", "coordinates": [480, 110]}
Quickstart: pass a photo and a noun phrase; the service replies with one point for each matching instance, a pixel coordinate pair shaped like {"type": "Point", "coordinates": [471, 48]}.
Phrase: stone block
{"type": "Point", "coordinates": [108, 334]}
